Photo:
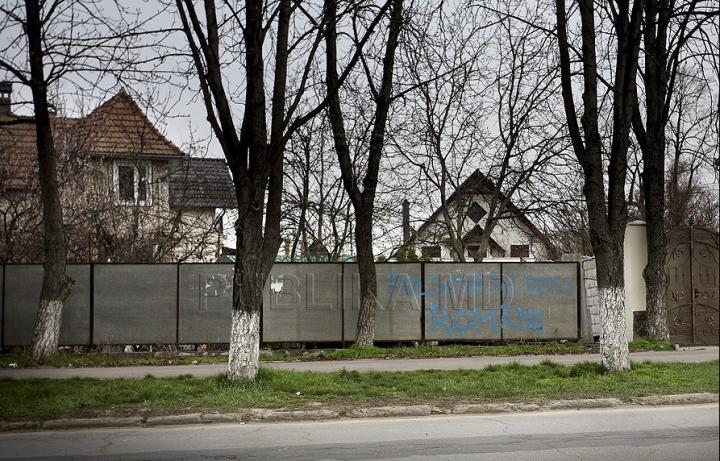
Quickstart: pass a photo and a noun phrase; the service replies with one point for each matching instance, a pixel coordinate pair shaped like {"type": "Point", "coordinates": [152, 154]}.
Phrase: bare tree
{"type": "Point", "coordinates": [254, 151]}
{"type": "Point", "coordinates": [318, 214]}
{"type": "Point", "coordinates": [44, 28]}
{"type": "Point", "coordinates": [288, 35]}
{"type": "Point", "coordinates": [667, 30]}
{"type": "Point", "coordinates": [51, 47]}
{"type": "Point", "coordinates": [525, 156]}
{"type": "Point", "coordinates": [362, 194]}
{"type": "Point", "coordinates": [481, 123]}
{"type": "Point", "coordinates": [607, 213]}
{"type": "Point", "coordinates": [440, 128]}
{"type": "Point", "coordinates": [692, 149]}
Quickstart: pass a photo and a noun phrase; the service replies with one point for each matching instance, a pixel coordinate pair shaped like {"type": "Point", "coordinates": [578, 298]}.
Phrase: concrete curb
{"type": "Point", "coordinates": [258, 415]}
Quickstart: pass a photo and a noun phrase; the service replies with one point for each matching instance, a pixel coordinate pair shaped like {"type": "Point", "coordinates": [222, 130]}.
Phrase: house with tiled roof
{"type": "Point", "coordinates": [514, 237]}
{"type": "Point", "coordinates": [121, 187]}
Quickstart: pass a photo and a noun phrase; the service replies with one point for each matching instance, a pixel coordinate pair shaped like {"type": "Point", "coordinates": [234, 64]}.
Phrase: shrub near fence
{"type": "Point", "coordinates": [118, 304]}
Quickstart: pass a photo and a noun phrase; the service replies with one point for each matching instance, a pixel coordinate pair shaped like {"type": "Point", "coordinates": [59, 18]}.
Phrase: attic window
{"type": "Point", "coordinates": [476, 212]}
{"type": "Point", "coordinates": [132, 182]}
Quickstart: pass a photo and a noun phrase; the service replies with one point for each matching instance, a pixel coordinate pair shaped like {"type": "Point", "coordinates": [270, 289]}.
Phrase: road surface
{"type": "Point", "coordinates": [688, 432]}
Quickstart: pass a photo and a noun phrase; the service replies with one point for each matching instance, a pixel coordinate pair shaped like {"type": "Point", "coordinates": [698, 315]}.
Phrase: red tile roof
{"type": "Point", "coordinates": [117, 128]}
{"type": "Point", "coordinates": [120, 127]}
{"type": "Point", "coordinates": [18, 158]}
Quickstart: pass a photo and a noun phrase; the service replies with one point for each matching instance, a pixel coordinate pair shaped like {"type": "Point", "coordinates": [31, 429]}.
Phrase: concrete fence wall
{"type": "Point", "coordinates": [304, 302]}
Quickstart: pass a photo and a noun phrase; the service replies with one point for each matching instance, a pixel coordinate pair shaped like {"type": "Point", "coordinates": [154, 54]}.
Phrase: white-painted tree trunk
{"type": "Point", "coordinates": [47, 329]}
{"type": "Point", "coordinates": [244, 345]}
{"type": "Point", "coordinates": [614, 352]}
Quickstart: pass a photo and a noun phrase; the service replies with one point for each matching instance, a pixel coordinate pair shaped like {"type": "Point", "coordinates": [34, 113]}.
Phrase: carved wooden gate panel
{"type": "Point", "coordinates": [693, 299]}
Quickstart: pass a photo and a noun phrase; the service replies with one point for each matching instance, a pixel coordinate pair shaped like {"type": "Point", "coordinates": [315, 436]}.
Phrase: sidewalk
{"type": "Point", "coordinates": [688, 354]}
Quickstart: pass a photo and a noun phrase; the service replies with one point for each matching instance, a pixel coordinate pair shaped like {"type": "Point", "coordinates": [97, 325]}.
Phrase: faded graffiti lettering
{"type": "Point", "coordinates": [288, 293]}
{"type": "Point", "coordinates": [510, 319]}
{"type": "Point", "coordinates": [545, 285]}
{"type": "Point", "coordinates": [474, 284]}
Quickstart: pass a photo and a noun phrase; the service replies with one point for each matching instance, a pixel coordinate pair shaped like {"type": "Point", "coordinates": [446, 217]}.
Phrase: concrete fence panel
{"type": "Point", "coordinates": [543, 301]}
{"type": "Point", "coordinates": [204, 303]}
{"type": "Point", "coordinates": [135, 304]}
{"type": "Point", "coordinates": [399, 302]}
{"type": "Point", "coordinates": [303, 303]}
{"type": "Point", "coordinates": [462, 301]}
{"type": "Point", "coordinates": [21, 300]}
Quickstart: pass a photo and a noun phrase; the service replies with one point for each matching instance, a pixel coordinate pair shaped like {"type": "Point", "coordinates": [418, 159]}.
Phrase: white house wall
{"type": "Point", "coordinates": [507, 232]}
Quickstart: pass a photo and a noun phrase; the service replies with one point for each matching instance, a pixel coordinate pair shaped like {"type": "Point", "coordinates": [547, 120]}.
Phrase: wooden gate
{"type": "Point", "coordinates": [693, 300]}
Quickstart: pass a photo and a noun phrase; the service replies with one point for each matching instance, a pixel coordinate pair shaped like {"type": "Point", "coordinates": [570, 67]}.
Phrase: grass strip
{"type": "Point", "coordinates": [289, 389]}
{"type": "Point", "coordinates": [21, 357]}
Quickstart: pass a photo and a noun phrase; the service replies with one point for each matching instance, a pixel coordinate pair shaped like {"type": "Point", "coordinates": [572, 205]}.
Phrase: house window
{"type": "Point", "coordinates": [476, 212]}
{"type": "Point", "coordinates": [472, 250]}
{"type": "Point", "coordinates": [431, 252]}
{"type": "Point", "coordinates": [519, 251]}
{"type": "Point", "coordinates": [132, 182]}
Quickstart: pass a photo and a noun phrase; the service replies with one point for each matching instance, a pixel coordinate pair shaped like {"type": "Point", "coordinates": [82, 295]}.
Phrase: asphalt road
{"type": "Point", "coordinates": [688, 432]}
{"type": "Point", "coordinates": [699, 354]}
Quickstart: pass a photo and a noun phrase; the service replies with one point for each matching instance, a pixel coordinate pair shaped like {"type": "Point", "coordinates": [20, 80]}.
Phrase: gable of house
{"type": "Point", "coordinates": [201, 193]}
{"type": "Point", "coordinates": [512, 237]}
{"type": "Point", "coordinates": [119, 128]}
{"type": "Point", "coordinates": [18, 168]}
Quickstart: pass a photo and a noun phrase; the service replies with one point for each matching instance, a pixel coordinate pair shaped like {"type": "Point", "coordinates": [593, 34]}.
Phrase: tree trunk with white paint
{"type": "Point", "coordinates": [243, 361]}
{"type": "Point", "coordinates": [362, 195]}
{"type": "Point", "coordinates": [607, 205]}
{"type": "Point", "coordinates": [365, 329]}
{"type": "Point", "coordinates": [56, 285]}
{"type": "Point", "coordinates": [614, 353]}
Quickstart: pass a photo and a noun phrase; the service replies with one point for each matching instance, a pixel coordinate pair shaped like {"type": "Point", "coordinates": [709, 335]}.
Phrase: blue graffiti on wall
{"type": "Point", "coordinates": [464, 320]}
{"type": "Point", "coordinates": [454, 293]}
{"type": "Point", "coordinates": [545, 285]}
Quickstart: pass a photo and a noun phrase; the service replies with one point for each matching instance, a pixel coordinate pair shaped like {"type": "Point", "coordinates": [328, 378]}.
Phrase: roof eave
{"type": "Point", "coordinates": [114, 155]}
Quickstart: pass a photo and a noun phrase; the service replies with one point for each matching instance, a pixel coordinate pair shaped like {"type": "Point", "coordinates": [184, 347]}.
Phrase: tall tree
{"type": "Point", "coordinates": [668, 27]}
{"type": "Point", "coordinates": [253, 150]}
{"type": "Point", "coordinates": [44, 44]}
{"type": "Point", "coordinates": [607, 213]}
{"type": "Point", "coordinates": [278, 43]}
{"type": "Point", "coordinates": [442, 129]}
{"type": "Point", "coordinates": [362, 195]}
{"type": "Point", "coordinates": [56, 284]}
{"type": "Point", "coordinates": [318, 215]}
{"type": "Point", "coordinates": [692, 194]}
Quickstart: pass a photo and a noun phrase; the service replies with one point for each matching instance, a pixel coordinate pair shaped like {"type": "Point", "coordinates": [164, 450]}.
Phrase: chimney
{"type": "Point", "coordinates": [5, 97]}
{"type": "Point", "coordinates": [406, 221]}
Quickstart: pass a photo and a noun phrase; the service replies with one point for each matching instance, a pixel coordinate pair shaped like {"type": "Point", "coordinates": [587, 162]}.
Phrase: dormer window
{"type": "Point", "coordinates": [132, 182]}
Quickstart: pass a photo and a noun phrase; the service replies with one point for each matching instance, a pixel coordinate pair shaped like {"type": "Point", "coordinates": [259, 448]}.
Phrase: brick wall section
{"type": "Point", "coordinates": [589, 303]}
{"type": "Point", "coordinates": [589, 279]}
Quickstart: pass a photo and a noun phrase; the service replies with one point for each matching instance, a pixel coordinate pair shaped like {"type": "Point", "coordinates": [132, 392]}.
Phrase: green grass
{"type": "Point", "coordinates": [462, 350]}
{"type": "Point", "coordinates": [21, 357]}
{"type": "Point", "coordinates": [274, 388]}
